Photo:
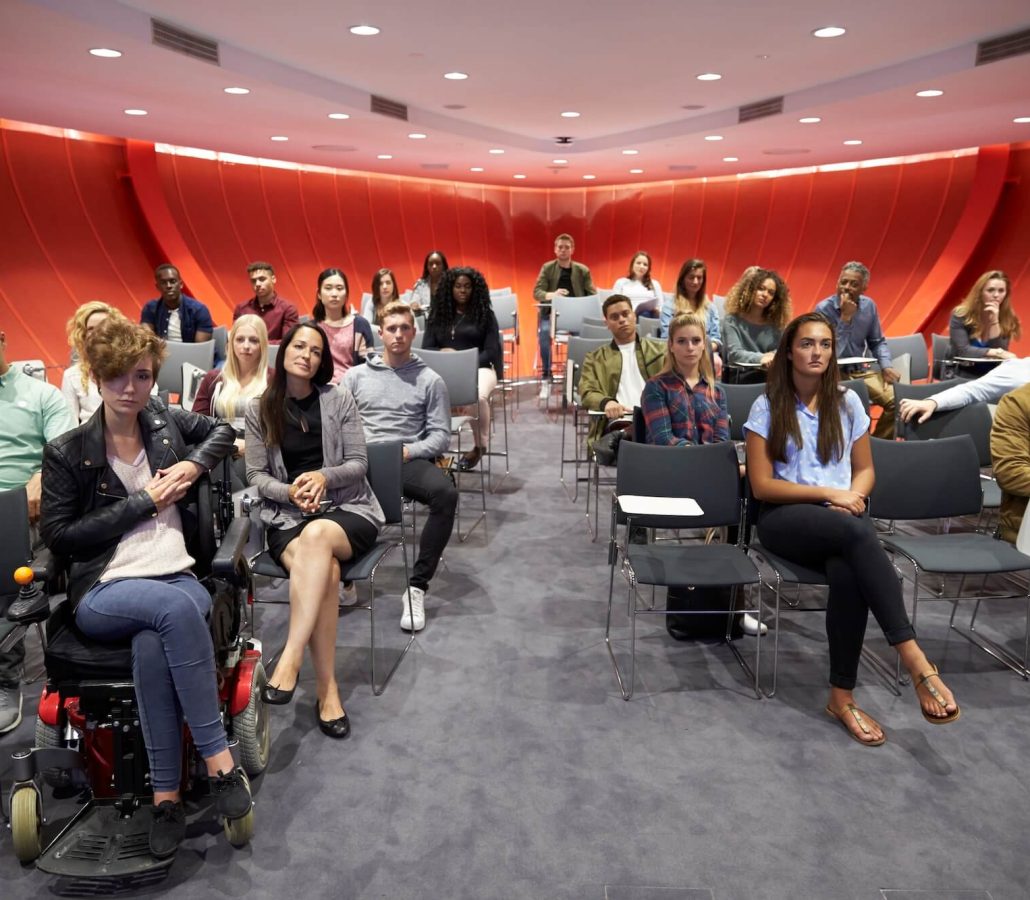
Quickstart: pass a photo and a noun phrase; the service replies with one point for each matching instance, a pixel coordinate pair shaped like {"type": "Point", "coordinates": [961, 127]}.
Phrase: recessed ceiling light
{"type": "Point", "coordinates": [709, 76]}
{"type": "Point", "coordinates": [384, 156]}
{"type": "Point", "coordinates": [930, 92]}
{"type": "Point", "coordinates": [497, 151]}
{"type": "Point", "coordinates": [560, 162]}
{"type": "Point", "coordinates": [417, 136]}
{"type": "Point", "coordinates": [476, 169]}
{"type": "Point", "coordinates": [570, 114]}
{"type": "Point", "coordinates": [364, 30]}
{"type": "Point", "coordinates": [135, 112]}
{"type": "Point", "coordinates": [455, 76]}
{"type": "Point", "coordinates": [630, 152]}
{"type": "Point", "coordinates": [236, 90]}
{"type": "Point", "coordinates": [810, 120]}
{"type": "Point", "coordinates": [854, 142]}
{"type": "Point", "coordinates": [519, 176]}
{"type": "Point", "coordinates": [693, 106]}
{"type": "Point", "coordinates": [636, 171]}
{"type": "Point", "coordinates": [731, 159]}
{"type": "Point", "coordinates": [589, 177]}
{"type": "Point", "coordinates": [106, 52]}
{"type": "Point", "coordinates": [278, 137]}
{"type": "Point", "coordinates": [829, 31]}
{"type": "Point", "coordinates": [339, 116]}
{"type": "Point", "coordinates": [454, 106]}
{"type": "Point", "coordinates": [713, 137]}
{"type": "Point", "coordinates": [1022, 120]}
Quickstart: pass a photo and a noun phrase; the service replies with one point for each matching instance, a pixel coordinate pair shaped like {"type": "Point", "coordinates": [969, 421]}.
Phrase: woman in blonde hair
{"type": "Point", "coordinates": [78, 388]}
{"type": "Point", "coordinates": [985, 322]}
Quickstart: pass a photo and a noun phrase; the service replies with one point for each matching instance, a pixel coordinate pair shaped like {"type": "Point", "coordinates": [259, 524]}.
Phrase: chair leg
{"type": "Point", "coordinates": [378, 688]}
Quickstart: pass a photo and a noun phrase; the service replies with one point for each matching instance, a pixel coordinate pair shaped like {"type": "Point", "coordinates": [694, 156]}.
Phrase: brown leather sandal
{"type": "Point", "coordinates": [860, 719]}
{"type": "Point", "coordinates": [923, 682]}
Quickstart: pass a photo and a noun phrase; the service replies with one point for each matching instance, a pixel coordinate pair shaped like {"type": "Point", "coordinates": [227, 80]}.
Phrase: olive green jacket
{"type": "Point", "coordinates": [1010, 454]}
{"type": "Point", "coordinates": [602, 371]}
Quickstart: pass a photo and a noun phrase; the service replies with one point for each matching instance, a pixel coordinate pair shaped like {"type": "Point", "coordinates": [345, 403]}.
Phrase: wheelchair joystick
{"type": "Point", "coordinates": [32, 604]}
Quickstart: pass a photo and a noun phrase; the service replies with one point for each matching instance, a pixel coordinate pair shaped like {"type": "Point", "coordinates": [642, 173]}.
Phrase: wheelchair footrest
{"type": "Point", "coordinates": [100, 847]}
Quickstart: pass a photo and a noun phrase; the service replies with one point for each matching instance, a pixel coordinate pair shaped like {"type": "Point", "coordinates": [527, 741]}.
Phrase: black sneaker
{"type": "Point", "coordinates": [168, 829]}
{"type": "Point", "coordinates": [232, 794]}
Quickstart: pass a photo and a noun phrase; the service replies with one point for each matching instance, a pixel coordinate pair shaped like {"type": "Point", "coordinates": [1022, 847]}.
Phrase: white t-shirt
{"type": "Point", "coordinates": [639, 294]}
{"type": "Point", "coordinates": [174, 326]}
{"type": "Point", "coordinates": [631, 382]}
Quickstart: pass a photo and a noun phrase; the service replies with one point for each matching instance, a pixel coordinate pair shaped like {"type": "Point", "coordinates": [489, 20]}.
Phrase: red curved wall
{"type": "Point", "coordinates": [91, 218]}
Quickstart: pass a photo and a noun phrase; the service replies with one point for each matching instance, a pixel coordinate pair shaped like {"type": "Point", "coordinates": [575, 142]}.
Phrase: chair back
{"type": "Point", "coordinates": [499, 292]}
{"type": "Point", "coordinates": [707, 473]}
{"type": "Point", "coordinates": [648, 328]}
{"type": "Point", "coordinates": [973, 420]}
{"type": "Point", "coordinates": [915, 346]}
{"type": "Point", "coordinates": [941, 348]}
{"type": "Point", "coordinates": [594, 331]}
{"type": "Point", "coordinates": [604, 293]}
{"type": "Point", "coordinates": [15, 549]}
{"type": "Point", "coordinates": [925, 479]}
{"type": "Point", "coordinates": [590, 320]}
{"type": "Point", "coordinates": [220, 335]}
{"type": "Point", "coordinates": [739, 400]}
{"type": "Point", "coordinates": [202, 355]}
{"type": "Point", "coordinates": [570, 311]}
{"type": "Point", "coordinates": [385, 463]}
{"type": "Point", "coordinates": [460, 371]}
{"type": "Point", "coordinates": [858, 385]}
{"type": "Point", "coordinates": [579, 347]}
{"type": "Point", "coordinates": [506, 309]}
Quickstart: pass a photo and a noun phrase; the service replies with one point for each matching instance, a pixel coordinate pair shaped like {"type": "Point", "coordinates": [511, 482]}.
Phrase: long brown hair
{"type": "Point", "coordinates": [973, 306]}
{"type": "Point", "coordinates": [646, 280]}
{"type": "Point", "coordinates": [275, 407]}
{"type": "Point", "coordinates": [742, 295]}
{"type": "Point", "coordinates": [682, 302]}
{"type": "Point", "coordinates": [783, 401]}
{"type": "Point", "coordinates": [691, 320]}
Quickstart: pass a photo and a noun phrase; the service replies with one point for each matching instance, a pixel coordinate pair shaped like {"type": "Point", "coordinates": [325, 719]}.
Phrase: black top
{"type": "Point", "coordinates": [565, 279]}
{"type": "Point", "coordinates": [465, 334]}
{"type": "Point", "coordinates": [302, 443]}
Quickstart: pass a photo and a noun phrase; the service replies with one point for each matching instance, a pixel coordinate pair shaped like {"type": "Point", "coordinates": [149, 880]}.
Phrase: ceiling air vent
{"type": "Point", "coordinates": [390, 108]}
{"type": "Point", "coordinates": [681, 167]}
{"type": "Point", "coordinates": [761, 109]}
{"type": "Point", "coordinates": [185, 42]}
{"type": "Point", "coordinates": [1014, 44]}
{"type": "Point", "coordinates": [436, 166]}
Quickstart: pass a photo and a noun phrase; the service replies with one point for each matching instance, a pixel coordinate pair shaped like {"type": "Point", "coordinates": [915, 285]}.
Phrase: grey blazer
{"type": "Point", "coordinates": [345, 463]}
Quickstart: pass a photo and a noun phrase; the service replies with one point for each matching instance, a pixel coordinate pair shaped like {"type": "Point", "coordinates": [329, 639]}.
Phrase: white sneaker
{"type": "Point", "coordinates": [10, 708]}
{"type": "Point", "coordinates": [348, 594]}
{"type": "Point", "coordinates": [750, 625]}
{"type": "Point", "coordinates": [414, 619]}
{"type": "Point", "coordinates": [545, 391]}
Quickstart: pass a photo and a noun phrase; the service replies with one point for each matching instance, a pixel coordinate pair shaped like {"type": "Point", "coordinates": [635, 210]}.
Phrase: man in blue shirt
{"type": "Point", "coordinates": [33, 412]}
{"type": "Point", "coordinates": [176, 316]}
{"type": "Point", "coordinates": [855, 319]}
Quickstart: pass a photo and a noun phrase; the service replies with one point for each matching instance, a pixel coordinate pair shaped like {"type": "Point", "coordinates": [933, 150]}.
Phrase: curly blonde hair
{"type": "Point", "coordinates": [742, 295]}
{"type": "Point", "coordinates": [76, 330]}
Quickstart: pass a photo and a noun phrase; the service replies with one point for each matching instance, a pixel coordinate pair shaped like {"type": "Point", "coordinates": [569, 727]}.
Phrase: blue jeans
{"type": "Point", "coordinates": [173, 662]}
{"type": "Point", "coordinates": [544, 332]}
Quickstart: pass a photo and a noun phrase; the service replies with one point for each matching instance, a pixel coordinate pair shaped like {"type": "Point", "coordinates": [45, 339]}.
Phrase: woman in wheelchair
{"type": "Point", "coordinates": [810, 465]}
{"type": "Point", "coordinates": [306, 457]}
{"type": "Point", "coordinates": [112, 493]}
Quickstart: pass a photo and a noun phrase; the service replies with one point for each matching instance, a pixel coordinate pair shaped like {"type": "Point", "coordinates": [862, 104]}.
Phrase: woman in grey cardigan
{"type": "Point", "coordinates": [306, 457]}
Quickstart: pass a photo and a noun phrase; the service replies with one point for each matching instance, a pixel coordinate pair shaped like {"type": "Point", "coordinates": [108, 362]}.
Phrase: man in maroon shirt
{"type": "Point", "coordinates": [279, 315]}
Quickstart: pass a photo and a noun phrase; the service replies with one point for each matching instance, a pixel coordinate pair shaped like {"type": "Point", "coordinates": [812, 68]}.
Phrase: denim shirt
{"type": "Point", "coordinates": [863, 330]}
{"type": "Point", "coordinates": [193, 317]}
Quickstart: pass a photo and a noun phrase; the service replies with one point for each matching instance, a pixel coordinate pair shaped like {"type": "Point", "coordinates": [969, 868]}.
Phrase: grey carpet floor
{"type": "Point", "coordinates": [502, 761]}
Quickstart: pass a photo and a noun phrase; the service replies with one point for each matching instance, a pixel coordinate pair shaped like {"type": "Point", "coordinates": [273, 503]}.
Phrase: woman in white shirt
{"type": "Point", "coordinates": [78, 388]}
{"type": "Point", "coordinates": [643, 291]}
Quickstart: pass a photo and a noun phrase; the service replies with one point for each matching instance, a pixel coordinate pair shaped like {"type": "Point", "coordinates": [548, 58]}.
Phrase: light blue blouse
{"type": "Point", "coordinates": [803, 465]}
{"type": "Point", "coordinates": [712, 327]}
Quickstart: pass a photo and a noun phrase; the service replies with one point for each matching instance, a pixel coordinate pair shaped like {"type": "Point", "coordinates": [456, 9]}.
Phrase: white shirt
{"type": "Point", "coordinates": [174, 326]}
{"type": "Point", "coordinates": [631, 382]}
{"type": "Point", "coordinates": [990, 388]}
{"type": "Point", "coordinates": [638, 293]}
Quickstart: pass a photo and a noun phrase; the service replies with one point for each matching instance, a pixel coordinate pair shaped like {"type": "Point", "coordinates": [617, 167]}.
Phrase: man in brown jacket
{"type": "Point", "coordinates": [1010, 454]}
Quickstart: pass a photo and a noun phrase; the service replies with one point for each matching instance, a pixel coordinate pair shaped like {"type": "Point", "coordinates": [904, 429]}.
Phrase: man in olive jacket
{"type": "Point", "coordinates": [608, 383]}
{"type": "Point", "coordinates": [1010, 454]}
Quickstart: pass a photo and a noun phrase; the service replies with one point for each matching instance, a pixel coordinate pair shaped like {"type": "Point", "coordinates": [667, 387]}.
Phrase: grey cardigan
{"type": "Point", "coordinates": [345, 463]}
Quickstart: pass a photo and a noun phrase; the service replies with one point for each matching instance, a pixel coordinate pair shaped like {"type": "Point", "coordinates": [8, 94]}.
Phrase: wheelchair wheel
{"type": "Point", "coordinates": [239, 831]}
{"type": "Point", "coordinates": [253, 727]}
{"type": "Point", "coordinates": [50, 736]}
{"type": "Point", "coordinates": [26, 823]}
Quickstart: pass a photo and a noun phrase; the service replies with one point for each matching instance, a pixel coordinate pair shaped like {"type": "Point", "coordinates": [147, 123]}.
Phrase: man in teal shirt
{"type": "Point", "coordinates": [33, 412]}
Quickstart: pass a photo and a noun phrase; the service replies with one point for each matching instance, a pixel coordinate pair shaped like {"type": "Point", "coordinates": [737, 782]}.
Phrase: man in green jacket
{"type": "Point", "coordinates": [613, 376]}
{"type": "Point", "coordinates": [1010, 455]}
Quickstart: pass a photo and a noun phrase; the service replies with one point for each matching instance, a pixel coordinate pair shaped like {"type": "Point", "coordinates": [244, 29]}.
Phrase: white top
{"type": "Point", "coordinates": [174, 326]}
{"type": "Point", "coordinates": [990, 388]}
{"type": "Point", "coordinates": [155, 546]}
{"type": "Point", "coordinates": [640, 294]}
{"type": "Point", "coordinates": [81, 403]}
{"type": "Point", "coordinates": [631, 382]}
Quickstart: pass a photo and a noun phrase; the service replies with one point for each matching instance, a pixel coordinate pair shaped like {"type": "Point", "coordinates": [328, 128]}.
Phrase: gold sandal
{"type": "Point", "coordinates": [923, 681]}
{"type": "Point", "coordinates": [859, 718]}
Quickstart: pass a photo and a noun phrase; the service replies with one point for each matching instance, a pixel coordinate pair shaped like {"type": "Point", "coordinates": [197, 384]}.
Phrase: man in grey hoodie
{"type": "Point", "coordinates": [400, 398]}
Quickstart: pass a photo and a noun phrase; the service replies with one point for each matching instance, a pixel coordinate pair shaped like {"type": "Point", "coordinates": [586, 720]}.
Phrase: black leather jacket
{"type": "Point", "coordinates": [85, 507]}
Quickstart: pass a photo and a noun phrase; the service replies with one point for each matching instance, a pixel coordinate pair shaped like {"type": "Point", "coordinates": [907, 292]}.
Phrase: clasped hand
{"type": "Point", "coordinates": [846, 501]}
{"type": "Point", "coordinates": [307, 491]}
{"type": "Point", "coordinates": [170, 485]}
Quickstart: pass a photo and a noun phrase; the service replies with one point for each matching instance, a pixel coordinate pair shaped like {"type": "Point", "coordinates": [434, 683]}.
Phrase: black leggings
{"type": "Point", "coordinates": [859, 573]}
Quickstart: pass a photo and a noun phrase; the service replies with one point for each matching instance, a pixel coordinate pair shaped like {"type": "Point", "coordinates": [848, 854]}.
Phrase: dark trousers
{"type": "Point", "coordinates": [859, 573]}
{"type": "Point", "coordinates": [11, 661]}
{"type": "Point", "coordinates": [426, 483]}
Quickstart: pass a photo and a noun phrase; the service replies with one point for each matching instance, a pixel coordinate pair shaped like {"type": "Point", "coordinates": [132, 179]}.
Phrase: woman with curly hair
{"type": "Point", "coordinates": [384, 292]}
{"type": "Point", "coordinates": [757, 310]}
{"type": "Point", "coordinates": [425, 288]}
{"type": "Point", "coordinates": [462, 318]}
{"type": "Point", "coordinates": [985, 322]}
{"type": "Point", "coordinates": [643, 291]}
{"type": "Point", "coordinates": [78, 388]}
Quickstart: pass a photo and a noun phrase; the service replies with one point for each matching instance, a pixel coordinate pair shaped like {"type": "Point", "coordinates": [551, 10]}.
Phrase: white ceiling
{"type": "Point", "coordinates": [628, 69]}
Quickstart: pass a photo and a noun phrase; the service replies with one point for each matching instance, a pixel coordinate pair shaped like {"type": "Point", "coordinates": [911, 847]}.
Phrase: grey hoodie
{"type": "Point", "coordinates": [409, 403]}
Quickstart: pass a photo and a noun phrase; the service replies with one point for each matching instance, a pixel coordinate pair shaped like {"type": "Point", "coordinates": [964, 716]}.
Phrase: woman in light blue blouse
{"type": "Point", "coordinates": [810, 464]}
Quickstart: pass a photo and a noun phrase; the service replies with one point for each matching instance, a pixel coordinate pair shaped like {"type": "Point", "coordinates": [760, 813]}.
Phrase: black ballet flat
{"type": "Point", "coordinates": [334, 728]}
{"type": "Point", "coordinates": [274, 696]}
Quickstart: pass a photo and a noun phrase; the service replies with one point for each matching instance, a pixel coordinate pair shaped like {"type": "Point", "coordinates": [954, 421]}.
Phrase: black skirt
{"type": "Point", "coordinates": [360, 532]}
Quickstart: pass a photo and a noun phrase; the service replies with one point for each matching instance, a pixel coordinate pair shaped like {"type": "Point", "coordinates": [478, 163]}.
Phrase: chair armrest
{"type": "Point", "coordinates": [229, 559]}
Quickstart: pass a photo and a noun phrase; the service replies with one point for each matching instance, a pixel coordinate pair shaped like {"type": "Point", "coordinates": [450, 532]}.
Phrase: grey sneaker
{"type": "Point", "coordinates": [10, 708]}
